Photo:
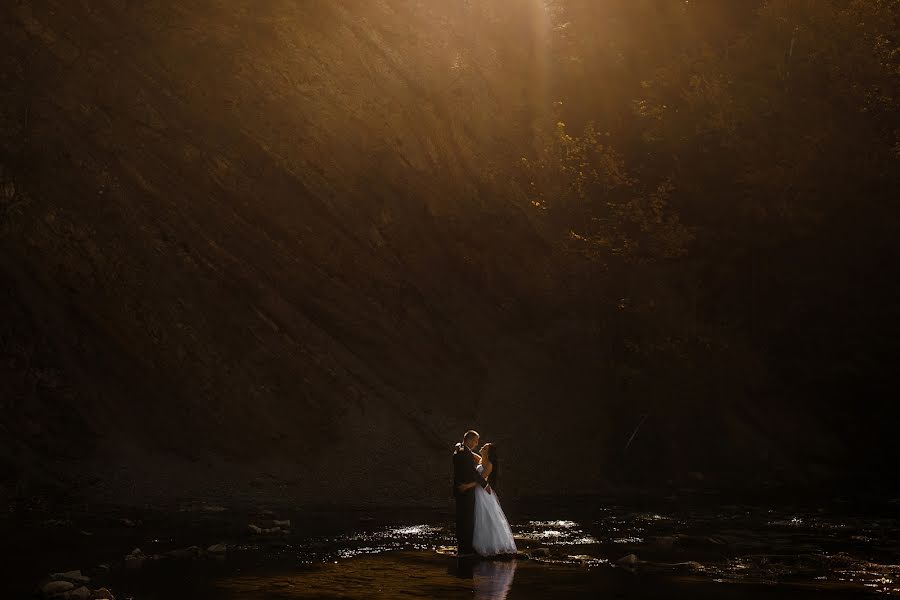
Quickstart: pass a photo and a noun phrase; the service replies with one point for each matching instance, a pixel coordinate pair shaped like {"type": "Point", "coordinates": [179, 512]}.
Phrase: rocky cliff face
{"type": "Point", "coordinates": [257, 249]}
{"type": "Point", "coordinates": [253, 242]}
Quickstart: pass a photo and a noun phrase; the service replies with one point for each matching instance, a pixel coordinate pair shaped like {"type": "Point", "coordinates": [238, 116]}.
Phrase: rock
{"type": "Point", "coordinates": [73, 576]}
{"type": "Point", "coordinates": [629, 560]}
{"type": "Point", "coordinates": [540, 552]}
{"type": "Point", "coordinates": [57, 587]}
{"type": "Point", "coordinates": [690, 566]}
{"type": "Point", "coordinates": [127, 522]}
{"type": "Point", "coordinates": [135, 559]}
{"type": "Point", "coordinates": [217, 549]}
{"type": "Point", "coordinates": [57, 523]}
{"type": "Point", "coordinates": [81, 593]}
{"type": "Point", "coordinates": [273, 523]}
{"type": "Point", "coordinates": [103, 594]}
{"type": "Point", "coordinates": [260, 530]}
{"type": "Point", "coordinates": [188, 553]}
{"type": "Point", "coordinates": [99, 570]}
{"type": "Point", "coordinates": [213, 508]}
{"type": "Point", "coordinates": [522, 555]}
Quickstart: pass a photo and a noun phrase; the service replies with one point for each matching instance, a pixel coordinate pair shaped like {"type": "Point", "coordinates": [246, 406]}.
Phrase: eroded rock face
{"type": "Point", "coordinates": [258, 230]}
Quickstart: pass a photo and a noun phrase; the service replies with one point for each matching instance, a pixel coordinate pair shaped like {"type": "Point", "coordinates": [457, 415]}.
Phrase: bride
{"type": "Point", "coordinates": [492, 536]}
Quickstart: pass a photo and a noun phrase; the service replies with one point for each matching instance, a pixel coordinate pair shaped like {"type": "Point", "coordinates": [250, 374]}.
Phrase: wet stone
{"type": "Point", "coordinates": [57, 587]}
{"type": "Point", "coordinates": [81, 593]}
{"type": "Point", "coordinates": [72, 576]}
{"type": "Point", "coordinates": [629, 560]}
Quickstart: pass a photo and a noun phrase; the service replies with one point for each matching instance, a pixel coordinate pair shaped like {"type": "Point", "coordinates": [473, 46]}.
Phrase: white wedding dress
{"type": "Point", "coordinates": [492, 533]}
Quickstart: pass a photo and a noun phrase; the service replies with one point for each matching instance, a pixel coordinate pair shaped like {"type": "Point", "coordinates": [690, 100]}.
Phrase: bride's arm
{"type": "Point", "coordinates": [481, 479]}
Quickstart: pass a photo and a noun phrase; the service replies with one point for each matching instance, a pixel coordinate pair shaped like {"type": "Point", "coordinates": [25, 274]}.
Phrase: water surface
{"type": "Point", "coordinates": [594, 547]}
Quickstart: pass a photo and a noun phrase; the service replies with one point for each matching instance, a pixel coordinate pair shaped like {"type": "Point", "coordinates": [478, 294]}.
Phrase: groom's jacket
{"type": "Point", "coordinates": [464, 469]}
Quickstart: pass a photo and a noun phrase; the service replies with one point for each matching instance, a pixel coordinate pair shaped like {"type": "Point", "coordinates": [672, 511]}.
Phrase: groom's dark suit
{"type": "Point", "coordinates": [464, 472]}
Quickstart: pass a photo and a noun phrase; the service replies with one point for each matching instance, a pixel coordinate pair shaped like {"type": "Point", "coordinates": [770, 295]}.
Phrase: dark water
{"type": "Point", "coordinates": [714, 551]}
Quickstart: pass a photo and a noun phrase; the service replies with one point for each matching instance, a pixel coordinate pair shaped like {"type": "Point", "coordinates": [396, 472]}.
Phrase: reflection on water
{"type": "Point", "coordinates": [562, 533]}
{"type": "Point", "coordinates": [491, 579]}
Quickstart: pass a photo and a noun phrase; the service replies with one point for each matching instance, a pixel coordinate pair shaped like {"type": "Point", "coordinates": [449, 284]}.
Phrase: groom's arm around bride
{"type": "Point", "coordinates": [465, 476]}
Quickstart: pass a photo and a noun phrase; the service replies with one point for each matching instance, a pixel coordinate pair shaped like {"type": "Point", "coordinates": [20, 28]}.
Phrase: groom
{"type": "Point", "coordinates": [465, 478]}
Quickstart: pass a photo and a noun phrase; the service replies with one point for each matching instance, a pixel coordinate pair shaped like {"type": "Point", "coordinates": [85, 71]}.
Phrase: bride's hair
{"type": "Point", "coordinates": [495, 462]}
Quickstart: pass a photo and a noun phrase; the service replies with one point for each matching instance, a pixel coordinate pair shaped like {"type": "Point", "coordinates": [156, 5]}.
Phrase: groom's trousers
{"type": "Point", "coordinates": [465, 522]}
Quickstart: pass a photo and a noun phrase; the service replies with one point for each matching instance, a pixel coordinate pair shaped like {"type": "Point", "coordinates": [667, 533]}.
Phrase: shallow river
{"type": "Point", "coordinates": [583, 551]}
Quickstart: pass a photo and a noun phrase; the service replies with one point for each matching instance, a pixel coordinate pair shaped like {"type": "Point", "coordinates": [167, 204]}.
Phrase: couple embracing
{"type": "Point", "coordinates": [481, 526]}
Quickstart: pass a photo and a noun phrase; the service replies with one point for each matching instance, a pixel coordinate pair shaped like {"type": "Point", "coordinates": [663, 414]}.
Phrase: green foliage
{"type": "Point", "coordinates": [754, 146]}
{"type": "Point", "coordinates": [585, 187]}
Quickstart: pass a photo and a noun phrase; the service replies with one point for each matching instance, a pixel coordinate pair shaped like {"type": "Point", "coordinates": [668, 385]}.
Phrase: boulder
{"type": "Point", "coordinates": [217, 549]}
{"type": "Point", "coordinates": [57, 587]}
{"type": "Point", "coordinates": [629, 560]}
{"type": "Point", "coordinates": [80, 593]}
{"type": "Point", "coordinates": [73, 576]}
{"type": "Point", "coordinates": [103, 594]}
